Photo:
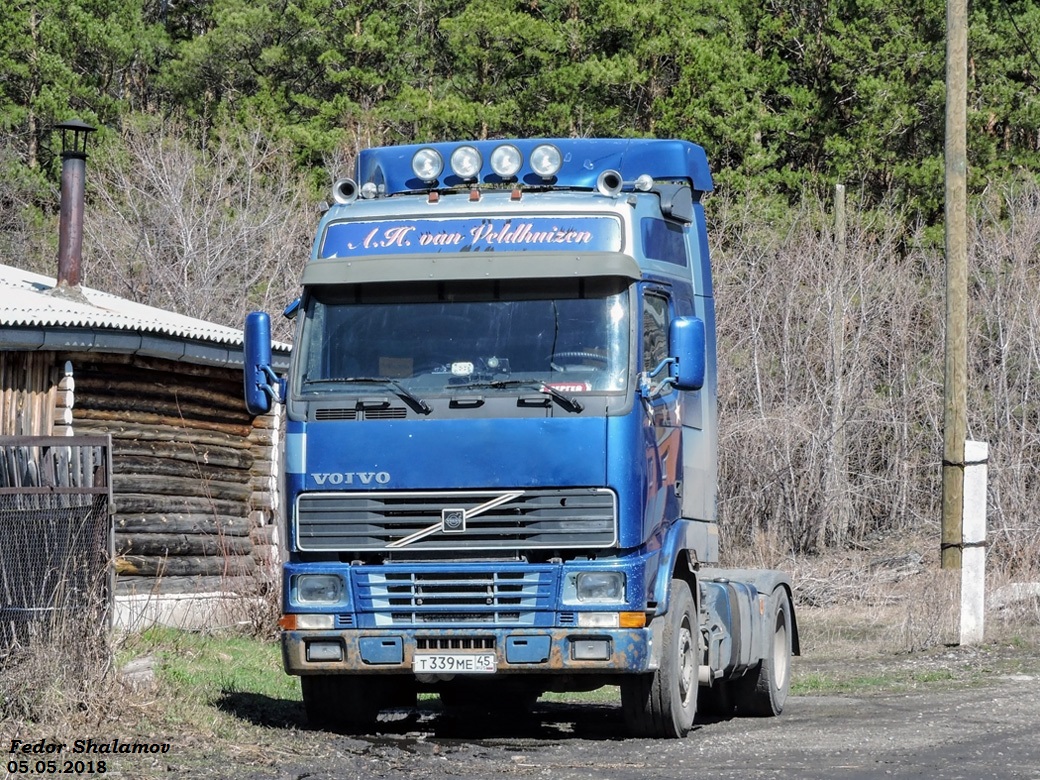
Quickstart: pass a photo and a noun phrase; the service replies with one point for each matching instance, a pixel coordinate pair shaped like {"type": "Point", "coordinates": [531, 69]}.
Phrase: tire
{"type": "Point", "coordinates": [762, 692]}
{"type": "Point", "coordinates": [664, 703]}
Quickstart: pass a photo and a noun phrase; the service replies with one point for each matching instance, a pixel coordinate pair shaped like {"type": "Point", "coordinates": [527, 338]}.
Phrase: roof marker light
{"type": "Point", "coordinates": [466, 162]}
{"type": "Point", "coordinates": [506, 161]}
{"type": "Point", "coordinates": [427, 164]}
{"type": "Point", "coordinates": [546, 160]}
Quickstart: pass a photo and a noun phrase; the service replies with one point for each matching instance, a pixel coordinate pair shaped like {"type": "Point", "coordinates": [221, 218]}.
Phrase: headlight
{"type": "Point", "coordinates": [465, 162]}
{"type": "Point", "coordinates": [546, 160]}
{"type": "Point", "coordinates": [599, 587]}
{"type": "Point", "coordinates": [319, 589]}
{"type": "Point", "coordinates": [427, 164]}
{"type": "Point", "coordinates": [506, 160]}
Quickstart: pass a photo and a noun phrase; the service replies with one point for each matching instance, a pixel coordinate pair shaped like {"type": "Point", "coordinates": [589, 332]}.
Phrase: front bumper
{"type": "Point", "coordinates": [516, 651]}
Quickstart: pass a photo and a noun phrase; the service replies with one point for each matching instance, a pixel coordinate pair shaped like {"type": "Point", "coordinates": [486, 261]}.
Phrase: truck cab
{"type": "Point", "coordinates": [501, 441]}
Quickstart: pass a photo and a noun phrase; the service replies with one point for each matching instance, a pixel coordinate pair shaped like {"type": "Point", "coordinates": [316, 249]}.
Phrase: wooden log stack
{"type": "Point", "coordinates": [187, 492]}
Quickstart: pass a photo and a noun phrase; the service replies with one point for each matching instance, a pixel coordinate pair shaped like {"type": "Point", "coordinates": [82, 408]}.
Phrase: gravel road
{"type": "Point", "coordinates": [981, 721]}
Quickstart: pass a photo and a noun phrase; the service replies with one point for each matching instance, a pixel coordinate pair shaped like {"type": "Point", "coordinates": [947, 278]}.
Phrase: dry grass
{"type": "Point", "coordinates": [57, 672]}
{"type": "Point", "coordinates": [879, 602]}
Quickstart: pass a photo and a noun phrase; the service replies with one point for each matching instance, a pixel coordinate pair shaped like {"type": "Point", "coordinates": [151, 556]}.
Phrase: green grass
{"type": "Point", "coordinates": [820, 684]}
{"type": "Point", "coordinates": [221, 685]}
{"type": "Point", "coordinates": [205, 666]}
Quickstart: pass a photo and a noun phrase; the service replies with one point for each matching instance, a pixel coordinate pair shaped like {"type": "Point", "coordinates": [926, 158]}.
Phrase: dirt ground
{"type": "Point", "coordinates": [881, 689]}
{"type": "Point", "coordinates": [949, 714]}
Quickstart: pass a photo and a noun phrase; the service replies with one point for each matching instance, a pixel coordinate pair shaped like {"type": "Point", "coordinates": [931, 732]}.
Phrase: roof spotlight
{"type": "Point", "coordinates": [546, 160]}
{"type": "Point", "coordinates": [427, 164]}
{"type": "Point", "coordinates": [465, 162]}
{"type": "Point", "coordinates": [506, 161]}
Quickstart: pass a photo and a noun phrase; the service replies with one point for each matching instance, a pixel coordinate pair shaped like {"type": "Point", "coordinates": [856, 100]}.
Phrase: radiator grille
{"type": "Point", "coordinates": [409, 597]}
{"type": "Point", "coordinates": [448, 643]}
{"type": "Point", "coordinates": [521, 519]}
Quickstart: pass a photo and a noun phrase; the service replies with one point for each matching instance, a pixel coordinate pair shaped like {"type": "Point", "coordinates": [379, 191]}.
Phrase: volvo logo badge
{"type": "Point", "coordinates": [453, 520]}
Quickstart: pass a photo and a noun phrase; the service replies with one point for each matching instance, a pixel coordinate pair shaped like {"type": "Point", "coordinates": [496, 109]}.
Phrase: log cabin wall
{"type": "Point", "coordinates": [192, 472]}
{"type": "Point", "coordinates": [28, 393]}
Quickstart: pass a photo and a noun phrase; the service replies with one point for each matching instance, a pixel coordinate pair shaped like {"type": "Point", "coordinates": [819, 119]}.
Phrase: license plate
{"type": "Point", "coordinates": [454, 663]}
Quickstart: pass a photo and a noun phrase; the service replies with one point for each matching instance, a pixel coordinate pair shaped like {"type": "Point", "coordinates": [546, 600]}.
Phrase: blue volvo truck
{"type": "Point", "coordinates": [501, 442]}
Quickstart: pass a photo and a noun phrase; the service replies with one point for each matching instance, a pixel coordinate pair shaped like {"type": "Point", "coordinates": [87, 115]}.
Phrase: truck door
{"type": "Point", "coordinates": [663, 432]}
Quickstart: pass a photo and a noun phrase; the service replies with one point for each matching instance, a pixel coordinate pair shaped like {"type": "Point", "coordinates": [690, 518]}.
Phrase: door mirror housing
{"type": "Point", "coordinates": [686, 341]}
{"type": "Point", "coordinates": [261, 385]}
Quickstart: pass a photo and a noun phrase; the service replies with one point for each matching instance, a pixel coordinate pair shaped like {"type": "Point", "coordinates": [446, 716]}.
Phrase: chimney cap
{"type": "Point", "coordinates": [80, 130]}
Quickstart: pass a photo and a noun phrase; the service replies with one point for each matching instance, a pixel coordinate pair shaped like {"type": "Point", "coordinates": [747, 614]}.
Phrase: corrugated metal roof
{"type": "Point", "coordinates": [26, 300]}
{"type": "Point", "coordinates": [29, 300]}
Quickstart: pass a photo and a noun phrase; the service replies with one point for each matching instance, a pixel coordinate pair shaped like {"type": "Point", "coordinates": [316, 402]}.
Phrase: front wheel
{"type": "Point", "coordinates": [762, 692]}
{"type": "Point", "coordinates": [664, 703]}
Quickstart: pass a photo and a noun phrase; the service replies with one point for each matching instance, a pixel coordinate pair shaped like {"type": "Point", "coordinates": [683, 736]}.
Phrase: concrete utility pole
{"type": "Point", "coordinates": [955, 396]}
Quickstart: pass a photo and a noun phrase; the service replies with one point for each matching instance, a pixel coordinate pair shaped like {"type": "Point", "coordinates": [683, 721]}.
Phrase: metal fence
{"type": "Point", "coordinates": [55, 538]}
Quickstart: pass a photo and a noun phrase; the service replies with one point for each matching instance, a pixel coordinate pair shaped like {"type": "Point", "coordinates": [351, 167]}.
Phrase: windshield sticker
{"type": "Point", "coordinates": [423, 236]}
{"type": "Point", "coordinates": [570, 387]}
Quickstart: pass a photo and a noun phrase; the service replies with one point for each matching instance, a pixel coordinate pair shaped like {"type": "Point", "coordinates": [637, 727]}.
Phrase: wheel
{"type": "Point", "coordinates": [664, 703]}
{"type": "Point", "coordinates": [352, 702]}
{"type": "Point", "coordinates": [762, 692]}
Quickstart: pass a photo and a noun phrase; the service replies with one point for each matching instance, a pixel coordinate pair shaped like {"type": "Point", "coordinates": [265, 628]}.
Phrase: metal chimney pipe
{"type": "Point", "coordinates": [70, 227]}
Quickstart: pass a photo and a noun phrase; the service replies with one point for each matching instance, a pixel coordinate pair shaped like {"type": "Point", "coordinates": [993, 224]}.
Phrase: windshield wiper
{"type": "Point", "coordinates": [567, 402]}
{"type": "Point", "coordinates": [400, 389]}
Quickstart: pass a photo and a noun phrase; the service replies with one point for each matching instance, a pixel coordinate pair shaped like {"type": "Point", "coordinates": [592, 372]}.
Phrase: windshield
{"type": "Point", "coordinates": [439, 338]}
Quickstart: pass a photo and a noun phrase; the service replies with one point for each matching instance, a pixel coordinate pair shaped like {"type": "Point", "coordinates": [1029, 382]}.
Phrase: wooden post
{"type": "Point", "coordinates": [956, 368]}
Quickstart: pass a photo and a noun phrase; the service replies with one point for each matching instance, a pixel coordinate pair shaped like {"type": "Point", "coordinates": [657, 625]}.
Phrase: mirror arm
{"type": "Point", "coordinates": [669, 361]}
{"type": "Point", "coordinates": [650, 391]}
{"type": "Point", "coordinates": [275, 386]}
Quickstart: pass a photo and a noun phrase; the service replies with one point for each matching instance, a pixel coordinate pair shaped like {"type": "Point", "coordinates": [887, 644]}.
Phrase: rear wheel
{"type": "Point", "coordinates": [763, 691]}
{"type": "Point", "coordinates": [664, 703]}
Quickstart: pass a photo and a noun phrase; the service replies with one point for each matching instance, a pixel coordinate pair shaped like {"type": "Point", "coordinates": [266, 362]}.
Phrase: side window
{"type": "Point", "coordinates": [655, 330]}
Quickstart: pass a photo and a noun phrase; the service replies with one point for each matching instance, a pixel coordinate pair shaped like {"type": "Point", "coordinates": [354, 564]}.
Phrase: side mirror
{"type": "Point", "coordinates": [259, 379]}
{"type": "Point", "coordinates": [686, 342]}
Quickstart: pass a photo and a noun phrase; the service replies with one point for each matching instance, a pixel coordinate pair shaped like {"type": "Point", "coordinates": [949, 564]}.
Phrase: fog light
{"type": "Point", "coordinates": [324, 651]}
{"type": "Point", "coordinates": [590, 649]}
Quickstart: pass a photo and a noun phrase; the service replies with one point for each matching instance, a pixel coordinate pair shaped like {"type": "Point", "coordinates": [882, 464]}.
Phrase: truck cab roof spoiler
{"type": "Point", "coordinates": [468, 265]}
